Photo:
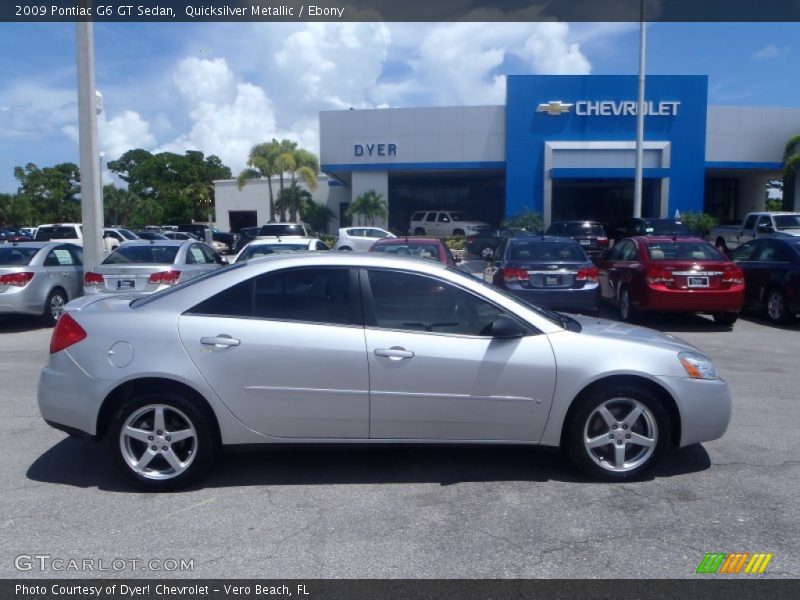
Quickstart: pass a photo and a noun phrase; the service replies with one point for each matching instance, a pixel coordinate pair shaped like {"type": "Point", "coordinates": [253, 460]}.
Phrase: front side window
{"type": "Point", "coordinates": [411, 302]}
{"type": "Point", "coordinates": [443, 218]}
{"type": "Point", "coordinates": [751, 222]}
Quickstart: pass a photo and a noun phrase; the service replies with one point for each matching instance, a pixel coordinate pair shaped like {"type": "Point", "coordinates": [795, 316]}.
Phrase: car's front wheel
{"type": "Point", "coordinates": [162, 441]}
{"type": "Point", "coordinates": [726, 319]}
{"type": "Point", "coordinates": [617, 433]}
{"type": "Point", "coordinates": [777, 307]}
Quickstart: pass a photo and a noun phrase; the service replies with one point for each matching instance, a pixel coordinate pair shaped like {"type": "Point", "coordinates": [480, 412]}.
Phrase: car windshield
{"type": "Point", "coordinates": [128, 235]}
{"type": "Point", "coordinates": [265, 249]}
{"type": "Point", "coordinates": [662, 227]}
{"type": "Point", "coordinates": [152, 254]}
{"type": "Point", "coordinates": [421, 250]}
{"type": "Point", "coordinates": [683, 251]}
{"type": "Point", "coordinates": [545, 251]}
{"type": "Point", "coordinates": [14, 256]}
{"type": "Point", "coordinates": [787, 221]}
{"type": "Point", "coordinates": [585, 229]}
{"type": "Point", "coordinates": [278, 229]}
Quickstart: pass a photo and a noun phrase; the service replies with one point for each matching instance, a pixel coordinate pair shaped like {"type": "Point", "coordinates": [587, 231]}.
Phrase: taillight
{"type": "Point", "coordinates": [165, 277]}
{"type": "Point", "coordinates": [602, 241]}
{"type": "Point", "coordinates": [659, 275]}
{"type": "Point", "coordinates": [588, 274]}
{"type": "Point", "coordinates": [733, 275]}
{"type": "Point", "coordinates": [66, 333]}
{"type": "Point", "coordinates": [512, 274]}
{"type": "Point", "coordinates": [91, 278]}
{"type": "Point", "coordinates": [16, 279]}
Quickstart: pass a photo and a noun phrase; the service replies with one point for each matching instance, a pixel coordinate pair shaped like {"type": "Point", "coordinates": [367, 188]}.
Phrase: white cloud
{"type": "Point", "coordinates": [771, 51]}
{"type": "Point", "coordinates": [123, 132]}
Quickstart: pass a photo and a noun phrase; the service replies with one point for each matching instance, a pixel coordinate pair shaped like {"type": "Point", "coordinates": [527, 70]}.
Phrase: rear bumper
{"type": "Point", "coordinates": [704, 405]}
{"type": "Point", "coordinates": [586, 298]}
{"type": "Point", "coordinates": [21, 301]}
{"type": "Point", "coordinates": [655, 299]}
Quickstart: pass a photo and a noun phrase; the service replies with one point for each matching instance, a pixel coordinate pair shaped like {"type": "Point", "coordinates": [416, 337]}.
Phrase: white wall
{"type": "Point", "coordinates": [749, 134]}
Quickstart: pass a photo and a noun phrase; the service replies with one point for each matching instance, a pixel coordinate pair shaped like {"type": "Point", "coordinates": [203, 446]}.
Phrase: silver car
{"type": "Point", "coordinates": [360, 238]}
{"type": "Point", "coordinates": [39, 278]}
{"type": "Point", "coordinates": [150, 266]}
{"type": "Point", "coordinates": [366, 348]}
{"type": "Point", "coordinates": [266, 246]}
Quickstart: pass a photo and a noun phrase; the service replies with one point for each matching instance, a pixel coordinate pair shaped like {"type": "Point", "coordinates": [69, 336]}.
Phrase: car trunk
{"type": "Point", "coordinates": [130, 278]}
{"type": "Point", "coordinates": [700, 275]}
{"type": "Point", "coordinates": [547, 275]}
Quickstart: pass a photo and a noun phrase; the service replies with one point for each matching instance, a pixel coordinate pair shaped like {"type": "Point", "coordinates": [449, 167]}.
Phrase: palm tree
{"type": "Point", "coordinates": [305, 169]}
{"type": "Point", "coordinates": [262, 162]}
{"type": "Point", "coordinates": [119, 204]}
{"type": "Point", "coordinates": [369, 205]}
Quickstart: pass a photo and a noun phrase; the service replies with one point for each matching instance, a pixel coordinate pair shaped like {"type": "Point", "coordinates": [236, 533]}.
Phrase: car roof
{"type": "Point", "coordinates": [650, 239]}
{"type": "Point", "coordinates": [541, 238]}
{"type": "Point", "coordinates": [263, 240]}
{"type": "Point", "coordinates": [408, 239]}
{"type": "Point", "coordinates": [130, 243]}
{"type": "Point", "coordinates": [353, 259]}
{"type": "Point", "coordinates": [34, 244]}
{"type": "Point", "coordinates": [582, 221]}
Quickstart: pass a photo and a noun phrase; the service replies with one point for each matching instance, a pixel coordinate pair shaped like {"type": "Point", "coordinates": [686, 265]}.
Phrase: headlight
{"type": "Point", "coordinates": [697, 366]}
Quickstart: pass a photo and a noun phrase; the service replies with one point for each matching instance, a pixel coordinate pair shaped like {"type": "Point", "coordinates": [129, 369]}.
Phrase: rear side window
{"type": "Point", "coordinates": [151, 255]}
{"type": "Point", "coordinates": [751, 222]}
{"type": "Point", "coordinates": [45, 234]}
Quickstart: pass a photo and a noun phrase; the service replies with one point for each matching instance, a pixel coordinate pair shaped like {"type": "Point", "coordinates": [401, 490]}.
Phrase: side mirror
{"type": "Point", "coordinates": [504, 328]}
{"type": "Point", "coordinates": [765, 228]}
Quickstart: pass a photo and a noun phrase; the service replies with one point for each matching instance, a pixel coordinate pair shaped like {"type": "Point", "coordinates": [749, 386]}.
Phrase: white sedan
{"type": "Point", "coordinates": [360, 238]}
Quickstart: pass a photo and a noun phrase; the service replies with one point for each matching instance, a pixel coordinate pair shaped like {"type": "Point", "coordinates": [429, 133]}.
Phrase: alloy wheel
{"type": "Point", "coordinates": [776, 306]}
{"type": "Point", "coordinates": [56, 306]}
{"type": "Point", "coordinates": [620, 434]}
{"type": "Point", "coordinates": [158, 442]}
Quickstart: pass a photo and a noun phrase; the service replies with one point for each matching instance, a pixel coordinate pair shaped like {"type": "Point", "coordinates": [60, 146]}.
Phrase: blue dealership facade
{"type": "Point", "coordinates": [562, 146]}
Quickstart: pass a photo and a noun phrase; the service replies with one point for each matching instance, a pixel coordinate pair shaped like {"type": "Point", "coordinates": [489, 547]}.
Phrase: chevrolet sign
{"type": "Point", "coordinates": [554, 108]}
{"type": "Point", "coordinates": [609, 108]}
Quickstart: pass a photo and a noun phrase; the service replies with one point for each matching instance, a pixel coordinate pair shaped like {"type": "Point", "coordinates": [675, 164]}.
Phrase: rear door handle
{"type": "Point", "coordinates": [394, 353]}
{"type": "Point", "coordinates": [221, 341]}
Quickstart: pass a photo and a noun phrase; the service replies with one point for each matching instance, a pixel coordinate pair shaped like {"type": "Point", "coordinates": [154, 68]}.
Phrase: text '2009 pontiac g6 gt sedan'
{"type": "Point", "coordinates": [341, 347]}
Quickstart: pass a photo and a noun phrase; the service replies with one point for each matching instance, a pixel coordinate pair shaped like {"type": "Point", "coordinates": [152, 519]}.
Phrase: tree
{"type": "Point", "coordinates": [118, 205]}
{"type": "Point", "coordinates": [16, 210]}
{"type": "Point", "coordinates": [261, 163]}
{"type": "Point", "coordinates": [304, 168]}
{"type": "Point", "coordinates": [699, 223]}
{"type": "Point", "coordinates": [316, 215]}
{"type": "Point", "coordinates": [370, 206]}
{"type": "Point", "coordinates": [791, 165]}
{"type": "Point", "coordinates": [526, 219]}
{"type": "Point", "coordinates": [52, 192]}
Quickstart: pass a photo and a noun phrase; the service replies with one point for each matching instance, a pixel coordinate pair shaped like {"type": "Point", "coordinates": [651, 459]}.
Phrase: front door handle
{"type": "Point", "coordinates": [221, 341]}
{"type": "Point", "coordinates": [394, 353]}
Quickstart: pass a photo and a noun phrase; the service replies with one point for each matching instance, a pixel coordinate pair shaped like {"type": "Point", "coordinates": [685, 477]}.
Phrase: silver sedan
{"type": "Point", "coordinates": [359, 348]}
{"type": "Point", "coordinates": [149, 266]}
{"type": "Point", "coordinates": [39, 278]}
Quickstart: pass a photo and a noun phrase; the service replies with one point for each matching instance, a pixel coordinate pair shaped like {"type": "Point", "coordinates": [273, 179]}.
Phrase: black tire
{"type": "Point", "coordinates": [419, 231]}
{"type": "Point", "coordinates": [486, 253]}
{"type": "Point", "coordinates": [627, 313]}
{"type": "Point", "coordinates": [726, 319]}
{"type": "Point", "coordinates": [53, 306]}
{"type": "Point", "coordinates": [458, 233]}
{"type": "Point", "coordinates": [584, 419]}
{"type": "Point", "coordinates": [776, 307]}
{"type": "Point", "coordinates": [199, 452]}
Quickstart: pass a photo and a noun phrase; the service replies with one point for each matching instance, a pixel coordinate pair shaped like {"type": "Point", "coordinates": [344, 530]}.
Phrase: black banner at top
{"type": "Point", "coordinates": [399, 10]}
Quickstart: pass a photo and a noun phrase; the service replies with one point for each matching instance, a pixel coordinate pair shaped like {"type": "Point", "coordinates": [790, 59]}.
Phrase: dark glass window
{"type": "Point", "coordinates": [683, 251]}
{"type": "Point", "coordinates": [236, 301]}
{"type": "Point", "coordinates": [412, 302]}
{"type": "Point", "coordinates": [545, 251]}
{"type": "Point", "coordinates": [150, 254]}
{"type": "Point", "coordinates": [313, 295]}
{"type": "Point", "coordinates": [14, 256]}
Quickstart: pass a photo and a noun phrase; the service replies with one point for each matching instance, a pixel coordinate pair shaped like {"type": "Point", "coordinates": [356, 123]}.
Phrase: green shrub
{"type": "Point", "coordinates": [330, 240]}
{"type": "Point", "coordinates": [699, 223]}
{"type": "Point", "coordinates": [455, 243]}
{"type": "Point", "coordinates": [527, 219]}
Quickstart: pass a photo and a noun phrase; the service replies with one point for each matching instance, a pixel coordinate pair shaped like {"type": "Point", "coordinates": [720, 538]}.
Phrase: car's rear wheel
{"type": "Point", "coordinates": [726, 319]}
{"type": "Point", "coordinates": [626, 311]}
{"type": "Point", "coordinates": [419, 231]}
{"type": "Point", "coordinates": [162, 441]}
{"type": "Point", "coordinates": [617, 433]}
{"type": "Point", "coordinates": [54, 306]}
{"type": "Point", "coordinates": [776, 307]}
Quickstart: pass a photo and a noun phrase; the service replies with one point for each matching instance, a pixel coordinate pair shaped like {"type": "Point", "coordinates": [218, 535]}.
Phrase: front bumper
{"type": "Point", "coordinates": [704, 406]}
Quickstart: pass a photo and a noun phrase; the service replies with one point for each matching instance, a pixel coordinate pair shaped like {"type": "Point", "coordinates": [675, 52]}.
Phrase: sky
{"type": "Point", "coordinates": [223, 87]}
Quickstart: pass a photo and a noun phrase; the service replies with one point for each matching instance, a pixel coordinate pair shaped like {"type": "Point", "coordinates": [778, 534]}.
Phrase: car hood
{"type": "Point", "coordinates": [623, 331]}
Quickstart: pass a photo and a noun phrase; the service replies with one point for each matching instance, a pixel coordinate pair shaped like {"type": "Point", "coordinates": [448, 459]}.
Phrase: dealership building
{"type": "Point", "coordinates": [561, 146]}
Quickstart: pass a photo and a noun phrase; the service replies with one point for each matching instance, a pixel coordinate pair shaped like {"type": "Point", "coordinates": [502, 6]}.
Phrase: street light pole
{"type": "Point", "coordinates": [639, 171]}
{"type": "Point", "coordinates": [91, 189]}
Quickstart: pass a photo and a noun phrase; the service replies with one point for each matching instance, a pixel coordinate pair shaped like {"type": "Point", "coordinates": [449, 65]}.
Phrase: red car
{"type": "Point", "coordinates": [671, 274]}
{"type": "Point", "coordinates": [417, 247]}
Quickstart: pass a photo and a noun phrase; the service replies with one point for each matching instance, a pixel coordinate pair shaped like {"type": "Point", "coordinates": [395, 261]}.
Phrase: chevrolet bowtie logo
{"type": "Point", "coordinates": [554, 108]}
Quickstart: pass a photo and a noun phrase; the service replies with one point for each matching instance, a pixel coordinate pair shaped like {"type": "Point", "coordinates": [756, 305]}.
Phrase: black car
{"type": "Point", "coordinates": [772, 276]}
{"type": "Point", "coordinates": [199, 231]}
{"type": "Point", "coordinates": [246, 235]}
{"type": "Point", "coordinates": [486, 242]}
{"type": "Point", "coordinates": [661, 227]}
{"type": "Point", "coordinates": [552, 272]}
{"type": "Point", "coordinates": [13, 235]}
{"type": "Point", "coordinates": [591, 235]}
{"type": "Point", "coordinates": [147, 234]}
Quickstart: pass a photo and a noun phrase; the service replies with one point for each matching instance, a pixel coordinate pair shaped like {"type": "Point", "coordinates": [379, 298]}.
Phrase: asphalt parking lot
{"type": "Point", "coordinates": [419, 512]}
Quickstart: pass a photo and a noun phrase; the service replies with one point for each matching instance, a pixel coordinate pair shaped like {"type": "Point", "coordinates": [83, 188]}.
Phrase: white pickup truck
{"type": "Point", "coordinates": [756, 225]}
{"type": "Point", "coordinates": [73, 232]}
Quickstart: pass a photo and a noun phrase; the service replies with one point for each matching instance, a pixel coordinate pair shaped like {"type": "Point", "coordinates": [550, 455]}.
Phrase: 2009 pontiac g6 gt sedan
{"type": "Point", "coordinates": [334, 348]}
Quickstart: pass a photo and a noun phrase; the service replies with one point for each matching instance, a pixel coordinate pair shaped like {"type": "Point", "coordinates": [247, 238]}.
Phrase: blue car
{"type": "Point", "coordinates": [547, 271]}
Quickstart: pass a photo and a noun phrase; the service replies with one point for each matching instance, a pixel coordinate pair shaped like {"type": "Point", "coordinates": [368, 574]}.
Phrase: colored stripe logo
{"type": "Point", "coordinates": [734, 563]}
